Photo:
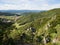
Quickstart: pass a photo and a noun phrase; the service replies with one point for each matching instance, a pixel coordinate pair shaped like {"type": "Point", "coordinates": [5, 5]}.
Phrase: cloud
{"type": "Point", "coordinates": [28, 5]}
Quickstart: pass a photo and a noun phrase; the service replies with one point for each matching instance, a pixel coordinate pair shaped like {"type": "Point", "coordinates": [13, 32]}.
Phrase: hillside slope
{"type": "Point", "coordinates": [33, 29]}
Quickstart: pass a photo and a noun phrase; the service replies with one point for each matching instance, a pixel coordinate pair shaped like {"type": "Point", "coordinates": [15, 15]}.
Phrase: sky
{"type": "Point", "coordinates": [29, 4]}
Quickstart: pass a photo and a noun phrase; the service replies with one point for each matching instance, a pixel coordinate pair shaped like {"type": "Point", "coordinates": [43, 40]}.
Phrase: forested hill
{"type": "Point", "coordinates": [41, 28]}
{"type": "Point", "coordinates": [6, 14]}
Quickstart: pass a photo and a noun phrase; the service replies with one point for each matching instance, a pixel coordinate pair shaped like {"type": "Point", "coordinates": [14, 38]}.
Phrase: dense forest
{"type": "Point", "coordinates": [41, 28]}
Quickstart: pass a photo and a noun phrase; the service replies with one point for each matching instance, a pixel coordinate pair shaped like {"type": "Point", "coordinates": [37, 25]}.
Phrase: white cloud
{"type": "Point", "coordinates": [15, 7]}
{"type": "Point", "coordinates": [27, 5]}
{"type": "Point", "coordinates": [6, 7]}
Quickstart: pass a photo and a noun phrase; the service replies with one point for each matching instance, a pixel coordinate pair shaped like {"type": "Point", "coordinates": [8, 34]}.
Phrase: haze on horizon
{"type": "Point", "coordinates": [29, 4]}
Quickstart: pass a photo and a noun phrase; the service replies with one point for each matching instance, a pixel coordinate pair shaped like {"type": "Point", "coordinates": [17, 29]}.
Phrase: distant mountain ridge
{"type": "Point", "coordinates": [20, 11]}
